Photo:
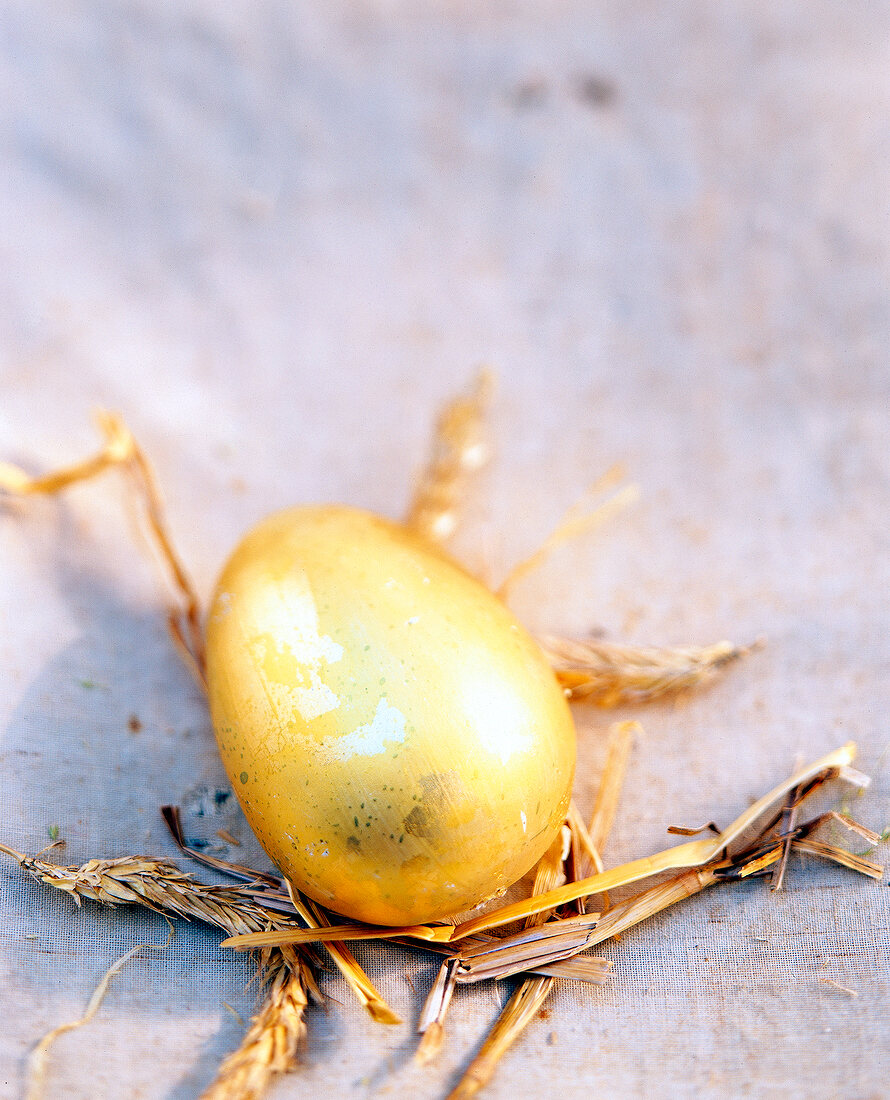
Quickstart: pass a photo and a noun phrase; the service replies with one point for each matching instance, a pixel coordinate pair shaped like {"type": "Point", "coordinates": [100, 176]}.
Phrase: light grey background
{"type": "Point", "coordinates": [276, 237]}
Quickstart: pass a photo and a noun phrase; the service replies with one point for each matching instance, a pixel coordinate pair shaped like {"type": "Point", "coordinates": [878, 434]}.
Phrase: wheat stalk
{"type": "Point", "coordinates": [156, 884]}
{"type": "Point", "coordinates": [270, 1045]}
{"type": "Point", "coordinates": [460, 448]}
{"type": "Point", "coordinates": [609, 674]}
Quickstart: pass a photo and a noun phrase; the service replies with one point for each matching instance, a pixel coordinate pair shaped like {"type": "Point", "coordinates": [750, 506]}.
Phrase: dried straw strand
{"type": "Point", "coordinates": [275, 892]}
{"type": "Point", "coordinates": [121, 450]}
{"type": "Point", "coordinates": [607, 674]}
{"type": "Point", "coordinates": [550, 873]}
{"type": "Point", "coordinates": [621, 736]}
{"type": "Point", "coordinates": [786, 825]}
{"type": "Point", "coordinates": [346, 963]}
{"type": "Point", "coordinates": [460, 448]}
{"type": "Point", "coordinates": [39, 1057]}
{"type": "Point", "coordinates": [685, 885]}
{"type": "Point", "coordinates": [838, 987]}
{"type": "Point", "coordinates": [437, 933]}
{"type": "Point", "coordinates": [578, 520]}
{"type": "Point", "coordinates": [646, 904]}
{"type": "Point", "coordinates": [518, 1013]}
{"type": "Point", "coordinates": [587, 854]}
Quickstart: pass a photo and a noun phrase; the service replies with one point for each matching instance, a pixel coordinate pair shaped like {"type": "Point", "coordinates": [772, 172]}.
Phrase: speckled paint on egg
{"type": "Point", "coordinates": [398, 742]}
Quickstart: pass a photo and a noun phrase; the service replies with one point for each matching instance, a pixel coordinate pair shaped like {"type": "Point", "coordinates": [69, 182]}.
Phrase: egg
{"type": "Point", "coordinates": [397, 740]}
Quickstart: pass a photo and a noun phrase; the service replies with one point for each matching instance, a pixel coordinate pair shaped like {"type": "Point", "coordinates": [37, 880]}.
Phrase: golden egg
{"type": "Point", "coordinates": [397, 740]}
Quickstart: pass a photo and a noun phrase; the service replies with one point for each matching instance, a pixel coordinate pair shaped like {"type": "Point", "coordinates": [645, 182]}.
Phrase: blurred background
{"type": "Point", "coordinates": [277, 237]}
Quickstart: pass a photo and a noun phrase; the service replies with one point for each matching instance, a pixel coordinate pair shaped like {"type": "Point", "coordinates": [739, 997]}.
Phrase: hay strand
{"type": "Point", "coordinates": [519, 1012]}
{"type": "Point", "coordinates": [121, 450]}
{"type": "Point", "coordinates": [621, 736]}
{"type": "Point", "coordinates": [580, 519]}
{"type": "Point", "coordinates": [38, 1060]}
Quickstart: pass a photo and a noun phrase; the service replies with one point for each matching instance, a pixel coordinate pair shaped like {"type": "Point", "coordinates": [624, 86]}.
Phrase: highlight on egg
{"type": "Point", "coordinates": [399, 743]}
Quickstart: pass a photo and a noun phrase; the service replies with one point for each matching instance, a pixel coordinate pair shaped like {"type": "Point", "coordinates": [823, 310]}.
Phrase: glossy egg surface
{"type": "Point", "coordinates": [395, 737]}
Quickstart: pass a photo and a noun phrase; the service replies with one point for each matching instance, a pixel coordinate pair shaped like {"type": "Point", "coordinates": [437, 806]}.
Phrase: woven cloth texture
{"type": "Point", "coordinates": [277, 237]}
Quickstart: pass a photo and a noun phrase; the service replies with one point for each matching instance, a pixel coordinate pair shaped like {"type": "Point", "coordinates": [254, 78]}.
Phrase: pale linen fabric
{"type": "Point", "coordinates": [276, 237]}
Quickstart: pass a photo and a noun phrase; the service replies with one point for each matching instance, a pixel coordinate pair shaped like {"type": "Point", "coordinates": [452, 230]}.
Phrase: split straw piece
{"type": "Point", "coordinates": [580, 968]}
{"type": "Point", "coordinates": [432, 1014]}
{"type": "Point", "coordinates": [848, 823]}
{"type": "Point", "coordinates": [838, 855]}
{"type": "Point", "coordinates": [516, 954]}
{"type": "Point", "coordinates": [693, 854]}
